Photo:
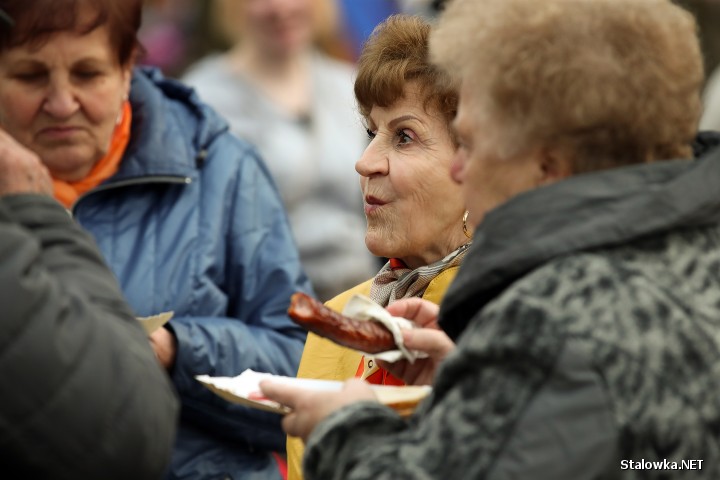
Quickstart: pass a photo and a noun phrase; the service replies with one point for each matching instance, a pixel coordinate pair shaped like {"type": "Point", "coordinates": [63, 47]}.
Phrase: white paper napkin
{"type": "Point", "coordinates": [363, 308]}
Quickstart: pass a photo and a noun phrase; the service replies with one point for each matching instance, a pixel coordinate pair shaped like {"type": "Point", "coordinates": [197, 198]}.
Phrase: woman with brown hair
{"type": "Point", "coordinates": [415, 216]}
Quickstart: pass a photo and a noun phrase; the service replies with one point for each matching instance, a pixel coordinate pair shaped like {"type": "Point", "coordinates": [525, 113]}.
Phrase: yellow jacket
{"type": "Point", "coordinates": [326, 360]}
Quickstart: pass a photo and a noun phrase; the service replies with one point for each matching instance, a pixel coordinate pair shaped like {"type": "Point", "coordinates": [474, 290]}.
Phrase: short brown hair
{"type": "Point", "coordinates": [37, 20]}
{"type": "Point", "coordinates": [398, 52]}
{"type": "Point", "coordinates": [612, 82]}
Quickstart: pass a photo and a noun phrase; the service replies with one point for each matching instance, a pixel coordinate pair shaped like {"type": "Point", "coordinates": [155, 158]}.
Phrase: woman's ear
{"type": "Point", "coordinates": [555, 164]}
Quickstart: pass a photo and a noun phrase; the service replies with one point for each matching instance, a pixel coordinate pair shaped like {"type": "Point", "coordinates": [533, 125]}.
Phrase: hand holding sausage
{"type": "Point", "coordinates": [428, 339]}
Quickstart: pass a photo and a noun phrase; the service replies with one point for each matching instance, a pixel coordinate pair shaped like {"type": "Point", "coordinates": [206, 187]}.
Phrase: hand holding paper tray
{"type": "Point", "coordinates": [152, 323]}
{"type": "Point", "coordinates": [245, 390]}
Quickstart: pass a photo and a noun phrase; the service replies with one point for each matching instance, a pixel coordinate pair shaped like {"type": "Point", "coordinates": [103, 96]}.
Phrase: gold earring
{"type": "Point", "coordinates": [465, 227]}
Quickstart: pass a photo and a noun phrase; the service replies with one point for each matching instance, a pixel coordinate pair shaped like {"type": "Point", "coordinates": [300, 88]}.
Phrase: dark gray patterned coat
{"type": "Point", "coordinates": [587, 322]}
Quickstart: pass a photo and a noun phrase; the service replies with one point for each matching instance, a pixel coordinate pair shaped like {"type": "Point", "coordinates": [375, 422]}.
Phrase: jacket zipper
{"type": "Point", "coordinates": [128, 183]}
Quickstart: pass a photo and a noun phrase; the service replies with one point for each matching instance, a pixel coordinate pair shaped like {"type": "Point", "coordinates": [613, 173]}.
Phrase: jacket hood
{"type": "Point", "coordinates": [584, 212]}
{"type": "Point", "coordinates": [162, 144]}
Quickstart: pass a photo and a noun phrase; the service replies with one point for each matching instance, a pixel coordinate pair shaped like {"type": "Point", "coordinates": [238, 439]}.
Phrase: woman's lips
{"type": "Point", "coordinates": [59, 133]}
{"type": "Point", "coordinates": [372, 204]}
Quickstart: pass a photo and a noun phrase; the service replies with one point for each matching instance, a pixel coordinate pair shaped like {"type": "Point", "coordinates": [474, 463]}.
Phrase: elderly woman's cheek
{"type": "Point", "coordinates": [6, 106]}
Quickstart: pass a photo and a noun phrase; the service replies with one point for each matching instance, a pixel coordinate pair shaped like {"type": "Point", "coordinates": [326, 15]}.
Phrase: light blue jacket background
{"type": "Point", "coordinates": [192, 222]}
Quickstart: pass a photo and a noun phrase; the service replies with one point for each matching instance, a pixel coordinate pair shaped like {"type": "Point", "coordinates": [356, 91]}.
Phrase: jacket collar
{"type": "Point", "coordinates": [170, 131]}
{"type": "Point", "coordinates": [581, 213]}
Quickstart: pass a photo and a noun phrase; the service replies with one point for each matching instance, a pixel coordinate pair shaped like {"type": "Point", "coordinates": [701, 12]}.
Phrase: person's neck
{"type": "Point", "coordinates": [285, 79]}
{"type": "Point", "coordinates": [286, 67]}
{"type": "Point", "coordinates": [434, 254]}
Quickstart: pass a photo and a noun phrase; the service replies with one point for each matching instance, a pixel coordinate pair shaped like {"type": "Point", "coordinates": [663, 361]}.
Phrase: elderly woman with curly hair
{"type": "Point", "coordinates": [586, 313]}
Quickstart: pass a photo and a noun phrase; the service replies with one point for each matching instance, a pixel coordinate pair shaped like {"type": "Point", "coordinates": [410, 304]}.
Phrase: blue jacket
{"type": "Point", "coordinates": [193, 223]}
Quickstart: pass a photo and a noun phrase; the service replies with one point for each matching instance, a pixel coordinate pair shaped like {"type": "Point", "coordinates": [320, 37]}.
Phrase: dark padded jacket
{"type": "Point", "coordinates": [81, 393]}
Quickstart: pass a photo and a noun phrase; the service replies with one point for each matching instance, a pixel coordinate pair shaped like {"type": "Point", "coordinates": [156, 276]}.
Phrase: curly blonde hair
{"type": "Point", "coordinates": [613, 82]}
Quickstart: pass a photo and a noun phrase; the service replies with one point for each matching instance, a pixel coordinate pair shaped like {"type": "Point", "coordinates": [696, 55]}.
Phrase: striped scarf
{"type": "Point", "coordinates": [396, 280]}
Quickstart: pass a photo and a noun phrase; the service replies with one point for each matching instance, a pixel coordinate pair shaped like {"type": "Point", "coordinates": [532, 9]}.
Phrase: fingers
{"type": "Point", "coordinates": [164, 344]}
{"type": "Point", "coordinates": [356, 390]}
{"type": "Point", "coordinates": [44, 181]}
{"type": "Point", "coordinates": [283, 394]}
{"type": "Point", "coordinates": [433, 342]}
{"type": "Point", "coordinates": [422, 312]}
{"type": "Point", "coordinates": [21, 170]}
{"type": "Point", "coordinates": [291, 426]}
{"type": "Point", "coordinates": [301, 420]}
{"type": "Point", "coordinates": [311, 407]}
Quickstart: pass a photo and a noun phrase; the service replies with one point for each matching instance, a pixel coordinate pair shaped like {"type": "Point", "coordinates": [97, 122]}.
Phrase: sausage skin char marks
{"type": "Point", "coordinates": [364, 336]}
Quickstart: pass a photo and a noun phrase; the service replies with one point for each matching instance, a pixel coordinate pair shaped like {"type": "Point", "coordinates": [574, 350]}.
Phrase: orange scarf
{"type": "Point", "coordinates": [68, 192]}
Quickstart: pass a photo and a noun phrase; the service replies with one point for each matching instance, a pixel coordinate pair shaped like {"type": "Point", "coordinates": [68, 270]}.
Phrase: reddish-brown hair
{"type": "Point", "coordinates": [37, 20]}
{"type": "Point", "coordinates": [398, 52]}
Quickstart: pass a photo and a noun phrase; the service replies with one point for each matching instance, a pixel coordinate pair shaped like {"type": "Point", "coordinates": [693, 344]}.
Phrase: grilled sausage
{"type": "Point", "coordinates": [364, 336]}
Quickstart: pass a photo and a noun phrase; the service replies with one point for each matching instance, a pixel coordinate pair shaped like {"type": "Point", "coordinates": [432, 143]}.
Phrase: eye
{"type": "Point", "coordinates": [87, 74]}
{"type": "Point", "coordinates": [403, 136]}
{"type": "Point", "coordinates": [30, 77]}
{"type": "Point", "coordinates": [370, 133]}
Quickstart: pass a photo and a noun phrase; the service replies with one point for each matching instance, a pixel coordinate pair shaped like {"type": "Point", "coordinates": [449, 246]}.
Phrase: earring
{"type": "Point", "coordinates": [119, 118]}
{"type": "Point", "coordinates": [465, 227]}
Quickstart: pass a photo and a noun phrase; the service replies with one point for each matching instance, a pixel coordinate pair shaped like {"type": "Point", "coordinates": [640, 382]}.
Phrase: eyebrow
{"type": "Point", "coordinates": [31, 62]}
{"type": "Point", "coordinates": [392, 123]}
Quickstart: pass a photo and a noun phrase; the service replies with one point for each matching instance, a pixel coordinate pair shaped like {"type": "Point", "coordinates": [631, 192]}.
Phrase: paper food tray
{"type": "Point", "coordinates": [152, 323]}
{"type": "Point", "coordinates": [245, 390]}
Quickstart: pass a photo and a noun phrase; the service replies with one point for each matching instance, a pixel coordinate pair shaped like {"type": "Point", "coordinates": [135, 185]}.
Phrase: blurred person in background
{"type": "Point", "coordinates": [280, 92]}
{"type": "Point", "coordinates": [166, 34]}
{"type": "Point", "coordinates": [710, 119]}
{"type": "Point", "coordinates": [586, 312]}
{"type": "Point", "coordinates": [707, 16]}
{"type": "Point", "coordinates": [360, 18]}
{"type": "Point", "coordinates": [185, 214]}
{"type": "Point", "coordinates": [415, 213]}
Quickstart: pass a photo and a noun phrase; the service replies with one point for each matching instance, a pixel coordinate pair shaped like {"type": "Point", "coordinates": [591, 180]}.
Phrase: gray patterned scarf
{"type": "Point", "coordinates": [395, 280]}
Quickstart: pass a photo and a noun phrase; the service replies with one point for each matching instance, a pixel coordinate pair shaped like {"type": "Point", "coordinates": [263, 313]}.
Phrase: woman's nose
{"type": "Point", "coordinates": [372, 162]}
{"type": "Point", "coordinates": [61, 100]}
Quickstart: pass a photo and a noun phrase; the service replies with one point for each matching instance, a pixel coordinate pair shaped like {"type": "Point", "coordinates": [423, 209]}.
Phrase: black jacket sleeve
{"type": "Point", "coordinates": [82, 394]}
